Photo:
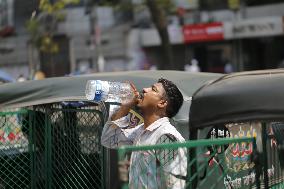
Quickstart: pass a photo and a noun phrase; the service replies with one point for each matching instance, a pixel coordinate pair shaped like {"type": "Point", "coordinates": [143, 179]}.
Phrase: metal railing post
{"type": "Point", "coordinates": [48, 159]}
{"type": "Point", "coordinates": [264, 140]}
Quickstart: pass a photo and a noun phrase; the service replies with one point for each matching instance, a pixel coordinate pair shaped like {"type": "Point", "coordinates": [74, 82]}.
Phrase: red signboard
{"type": "Point", "coordinates": [6, 31]}
{"type": "Point", "coordinates": [203, 32]}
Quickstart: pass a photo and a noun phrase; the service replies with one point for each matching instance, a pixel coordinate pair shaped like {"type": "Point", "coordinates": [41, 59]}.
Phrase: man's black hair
{"type": "Point", "coordinates": [173, 95]}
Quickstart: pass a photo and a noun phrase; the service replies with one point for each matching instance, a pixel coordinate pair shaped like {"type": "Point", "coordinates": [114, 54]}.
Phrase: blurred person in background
{"type": "Point", "coordinates": [193, 66]}
{"type": "Point", "coordinates": [228, 68]}
{"type": "Point", "coordinates": [21, 78]}
{"type": "Point", "coordinates": [39, 75]}
{"type": "Point", "coordinates": [153, 67]}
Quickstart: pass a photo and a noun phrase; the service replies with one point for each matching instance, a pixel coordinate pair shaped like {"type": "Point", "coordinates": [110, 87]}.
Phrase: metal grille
{"type": "Point", "coordinates": [205, 165]}
{"type": "Point", "coordinates": [52, 146]}
{"type": "Point", "coordinates": [15, 158]}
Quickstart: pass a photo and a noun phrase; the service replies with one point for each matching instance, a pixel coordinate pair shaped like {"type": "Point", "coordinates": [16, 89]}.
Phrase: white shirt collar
{"type": "Point", "coordinates": [157, 123]}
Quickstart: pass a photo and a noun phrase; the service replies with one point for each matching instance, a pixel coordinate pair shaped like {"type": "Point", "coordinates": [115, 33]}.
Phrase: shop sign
{"type": "Point", "coordinates": [268, 26]}
{"type": "Point", "coordinates": [203, 32]}
{"type": "Point", "coordinates": [237, 158]}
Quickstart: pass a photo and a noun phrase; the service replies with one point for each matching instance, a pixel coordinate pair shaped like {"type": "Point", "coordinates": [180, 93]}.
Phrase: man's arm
{"type": "Point", "coordinates": [118, 133]}
{"type": "Point", "coordinates": [121, 112]}
{"type": "Point", "coordinates": [115, 132]}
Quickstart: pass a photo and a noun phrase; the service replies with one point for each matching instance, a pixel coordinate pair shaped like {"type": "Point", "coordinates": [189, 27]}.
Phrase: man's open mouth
{"type": "Point", "coordinates": [141, 95]}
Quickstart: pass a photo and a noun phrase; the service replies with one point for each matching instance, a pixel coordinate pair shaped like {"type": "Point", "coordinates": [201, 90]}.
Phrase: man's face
{"type": "Point", "coordinates": [152, 97]}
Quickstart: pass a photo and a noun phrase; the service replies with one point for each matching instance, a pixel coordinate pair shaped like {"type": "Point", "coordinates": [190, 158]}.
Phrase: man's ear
{"type": "Point", "coordinates": [163, 103]}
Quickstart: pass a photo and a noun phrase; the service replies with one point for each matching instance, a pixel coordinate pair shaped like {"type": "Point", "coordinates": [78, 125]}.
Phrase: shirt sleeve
{"type": "Point", "coordinates": [116, 133]}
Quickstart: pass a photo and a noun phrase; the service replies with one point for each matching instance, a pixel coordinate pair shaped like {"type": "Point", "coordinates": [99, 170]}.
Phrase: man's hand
{"type": "Point", "coordinates": [132, 102]}
{"type": "Point", "coordinates": [126, 106]}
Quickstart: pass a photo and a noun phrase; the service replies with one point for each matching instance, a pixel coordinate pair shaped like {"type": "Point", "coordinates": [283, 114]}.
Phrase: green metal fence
{"type": "Point", "coordinates": [51, 146]}
{"type": "Point", "coordinates": [58, 146]}
{"type": "Point", "coordinates": [207, 165]}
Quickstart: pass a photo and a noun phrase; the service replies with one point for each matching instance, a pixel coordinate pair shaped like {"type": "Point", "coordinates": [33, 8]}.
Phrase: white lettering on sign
{"type": "Point", "coordinates": [214, 30]}
{"type": "Point", "coordinates": [221, 133]}
{"type": "Point", "coordinates": [229, 183]}
{"type": "Point", "coordinates": [249, 179]}
{"type": "Point", "coordinates": [246, 180]}
{"type": "Point", "coordinates": [270, 172]}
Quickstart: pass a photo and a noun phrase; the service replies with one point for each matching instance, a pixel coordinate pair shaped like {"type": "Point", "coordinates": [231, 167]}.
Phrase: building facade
{"type": "Point", "coordinates": [88, 41]}
{"type": "Point", "coordinates": [93, 39]}
{"type": "Point", "coordinates": [247, 38]}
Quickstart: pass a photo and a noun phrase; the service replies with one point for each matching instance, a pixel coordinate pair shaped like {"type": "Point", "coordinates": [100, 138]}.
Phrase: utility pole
{"type": "Point", "coordinates": [238, 6]}
{"type": "Point", "coordinates": [95, 41]}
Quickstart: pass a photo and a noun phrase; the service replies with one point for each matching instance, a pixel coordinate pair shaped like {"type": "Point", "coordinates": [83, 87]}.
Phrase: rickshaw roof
{"type": "Point", "coordinates": [72, 88]}
{"type": "Point", "coordinates": [239, 97]}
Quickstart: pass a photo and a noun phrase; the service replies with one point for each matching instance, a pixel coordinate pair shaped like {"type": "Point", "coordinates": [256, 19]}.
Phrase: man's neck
{"type": "Point", "coordinates": [148, 120]}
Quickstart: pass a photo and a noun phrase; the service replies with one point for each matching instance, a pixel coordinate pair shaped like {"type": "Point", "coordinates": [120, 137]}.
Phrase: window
{"type": "Point", "coordinates": [3, 14]}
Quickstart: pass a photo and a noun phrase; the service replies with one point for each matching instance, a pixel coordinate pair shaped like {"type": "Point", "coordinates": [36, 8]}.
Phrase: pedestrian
{"type": "Point", "coordinates": [153, 168]}
{"type": "Point", "coordinates": [153, 67]}
{"type": "Point", "coordinates": [39, 75]}
{"type": "Point", "coordinates": [21, 78]}
{"type": "Point", "coordinates": [193, 66]}
{"type": "Point", "coordinates": [228, 68]}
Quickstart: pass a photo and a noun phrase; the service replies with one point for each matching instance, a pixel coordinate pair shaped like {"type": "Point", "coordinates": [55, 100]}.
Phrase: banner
{"type": "Point", "coordinates": [237, 158]}
{"type": "Point", "coordinates": [203, 32]}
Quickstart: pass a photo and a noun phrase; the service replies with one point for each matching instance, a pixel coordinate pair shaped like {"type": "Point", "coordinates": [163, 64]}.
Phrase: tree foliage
{"type": "Point", "coordinates": [42, 24]}
{"type": "Point", "coordinates": [159, 10]}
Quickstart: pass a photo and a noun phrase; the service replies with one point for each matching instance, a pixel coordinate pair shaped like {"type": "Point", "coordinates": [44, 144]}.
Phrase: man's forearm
{"type": "Point", "coordinates": [121, 112]}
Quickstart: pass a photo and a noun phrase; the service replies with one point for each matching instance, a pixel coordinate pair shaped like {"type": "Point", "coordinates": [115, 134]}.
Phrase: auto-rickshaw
{"type": "Point", "coordinates": [50, 133]}
{"type": "Point", "coordinates": [245, 104]}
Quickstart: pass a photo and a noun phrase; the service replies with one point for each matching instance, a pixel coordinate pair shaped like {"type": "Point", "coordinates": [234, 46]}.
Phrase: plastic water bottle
{"type": "Point", "coordinates": [108, 91]}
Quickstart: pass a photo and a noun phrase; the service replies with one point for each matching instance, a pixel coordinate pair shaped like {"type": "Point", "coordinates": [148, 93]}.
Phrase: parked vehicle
{"type": "Point", "coordinates": [245, 104]}
{"type": "Point", "coordinates": [50, 133]}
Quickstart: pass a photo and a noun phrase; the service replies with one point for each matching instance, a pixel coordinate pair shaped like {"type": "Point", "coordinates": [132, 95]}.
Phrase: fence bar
{"type": "Point", "coordinates": [264, 141]}
{"type": "Point", "coordinates": [191, 160]}
{"type": "Point", "coordinates": [31, 149]}
{"type": "Point", "coordinates": [188, 144]}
